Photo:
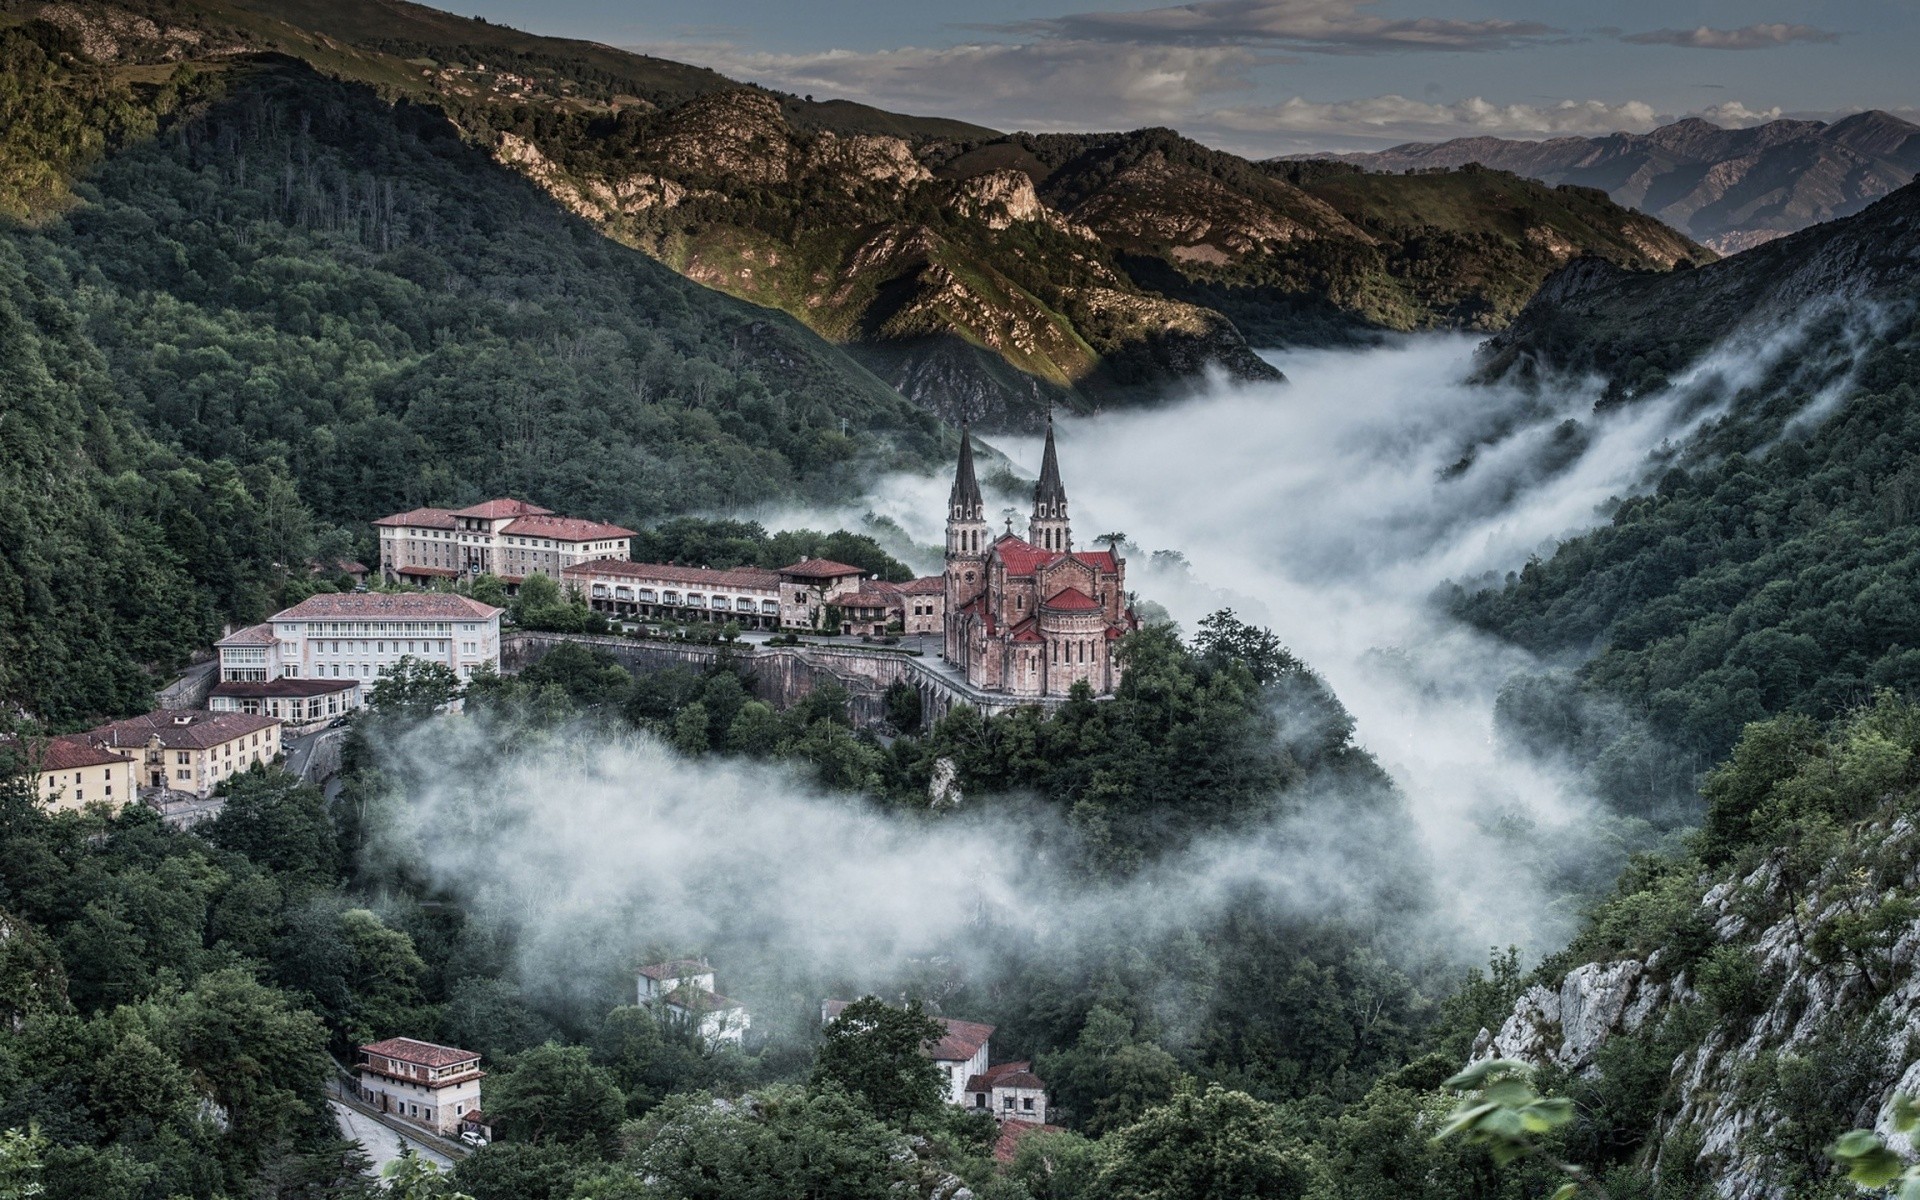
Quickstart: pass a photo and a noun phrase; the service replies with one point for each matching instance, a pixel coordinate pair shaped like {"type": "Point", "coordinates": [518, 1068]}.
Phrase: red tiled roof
{"type": "Point", "coordinates": [1012, 1133]}
{"type": "Point", "coordinates": [700, 1000]}
{"type": "Point", "coordinates": [1008, 1074]}
{"type": "Point", "coordinates": [868, 598]}
{"type": "Point", "coordinates": [252, 635]}
{"type": "Point", "coordinates": [65, 753]}
{"type": "Point", "coordinates": [679, 968]}
{"type": "Point", "coordinates": [493, 510]}
{"type": "Point", "coordinates": [426, 1054]}
{"type": "Point", "coordinates": [427, 572]}
{"type": "Point", "coordinates": [283, 687]}
{"type": "Point", "coordinates": [1115, 633]}
{"type": "Point", "coordinates": [926, 585]}
{"type": "Point", "coordinates": [1020, 556]}
{"type": "Point", "coordinates": [963, 1040]}
{"type": "Point", "coordinates": [737, 578]}
{"type": "Point", "coordinates": [1025, 632]}
{"type": "Point", "coordinates": [820, 568]}
{"type": "Point", "coordinates": [1073, 600]}
{"type": "Point", "coordinates": [413, 605]}
{"type": "Point", "coordinates": [181, 728]}
{"type": "Point", "coordinates": [1099, 559]}
{"type": "Point", "coordinates": [420, 518]}
{"type": "Point", "coordinates": [566, 529]}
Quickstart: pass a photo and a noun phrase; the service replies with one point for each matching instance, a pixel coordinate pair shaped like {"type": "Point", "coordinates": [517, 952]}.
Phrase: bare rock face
{"type": "Point", "coordinates": [740, 135]}
{"type": "Point", "coordinates": [1003, 199]}
{"type": "Point", "coordinates": [115, 35]}
{"type": "Point", "coordinates": [1565, 1027]}
{"type": "Point", "coordinates": [866, 158]}
{"type": "Point", "coordinates": [1158, 203]}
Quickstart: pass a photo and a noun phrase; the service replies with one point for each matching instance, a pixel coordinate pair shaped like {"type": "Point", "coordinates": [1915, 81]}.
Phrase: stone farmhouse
{"type": "Point", "coordinates": [1010, 1091]}
{"type": "Point", "coordinates": [508, 538]}
{"type": "Point", "coordinates": [684, 988]}
{"type": "Point", "coordinates": [431, 1085]}
{"type": "Point", "coordinates": [186, 750]}
{"type": "Point", "coordinates": [1030, 617]}
{"type": "Point", "coordinates": [317, 660]}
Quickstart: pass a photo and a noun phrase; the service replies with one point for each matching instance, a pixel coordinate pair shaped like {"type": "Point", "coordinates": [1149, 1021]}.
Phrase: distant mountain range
{"type": "Point", "coordinates": [1730, 189]}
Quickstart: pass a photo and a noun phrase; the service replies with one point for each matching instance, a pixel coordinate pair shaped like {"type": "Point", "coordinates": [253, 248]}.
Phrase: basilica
{"type": "Point", "coordinates": [1032, 616]}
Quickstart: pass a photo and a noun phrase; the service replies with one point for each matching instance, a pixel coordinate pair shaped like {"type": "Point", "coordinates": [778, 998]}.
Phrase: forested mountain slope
{"type": "Point", "coordinates": [335, 307]}
{"type": "Point", "coordinates": [1774, 566]}
{"type": "Point", "coordinates": [1730, 188]}
{"type": "Point", "coordinates": [982, 276]}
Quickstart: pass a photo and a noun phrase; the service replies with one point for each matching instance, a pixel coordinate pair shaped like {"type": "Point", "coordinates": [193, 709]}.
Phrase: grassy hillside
{"type": "Point", "coordinates": [337, 307]}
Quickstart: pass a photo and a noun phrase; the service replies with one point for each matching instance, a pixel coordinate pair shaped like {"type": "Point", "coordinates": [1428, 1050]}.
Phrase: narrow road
{"type": "Point", "coordinates": [381, 1143]}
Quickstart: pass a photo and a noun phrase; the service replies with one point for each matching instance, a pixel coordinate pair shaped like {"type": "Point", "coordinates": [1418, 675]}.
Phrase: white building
{"type": "Point", "coordinates": [346, 641]}
{"type": "Point", "coordinates": [748, 596]}
{"type": "Point", "coordinates": [422, 1082]}
{"type": "Point", "coordinates": [684, 988]}
{"type": "Point", "coordinates": [511, 539]}
{"type": "Point", "coordinates": [1010, 1092]}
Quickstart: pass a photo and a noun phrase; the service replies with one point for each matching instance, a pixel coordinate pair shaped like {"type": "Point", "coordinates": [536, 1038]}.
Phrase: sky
{"type": "Point", "coordinates": [1266, 77]}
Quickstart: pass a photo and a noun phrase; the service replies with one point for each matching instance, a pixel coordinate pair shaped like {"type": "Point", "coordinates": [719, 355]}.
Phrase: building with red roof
{"type": "Point", "coordinates": [962, 1053]}
{"type": "Point", "coordinates": [75, 771]}
{"type": "Point", "coordinates": [506, 537]}
{"type": "Point", "coordinates": [425, 1083]}
{"type": "Point", "coordinates": [1030, 617]}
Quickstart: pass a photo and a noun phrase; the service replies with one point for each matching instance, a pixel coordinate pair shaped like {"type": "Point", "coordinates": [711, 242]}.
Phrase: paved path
{"type": "Point", "coordinates": [381, 1143]}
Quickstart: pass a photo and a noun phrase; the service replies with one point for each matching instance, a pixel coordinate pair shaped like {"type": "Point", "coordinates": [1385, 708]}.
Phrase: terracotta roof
{"type": "Point", "coordinates": [428, 572]}
{"type": "Point", "coordinates": [700, 1000]}
{"type": "Point", "coordinates": [1099, 559]}
{"type": "Point", "coordinates": [420, 518]}
{"type": "Point", "coordinates": [252, 635]}
{"type": "Point", "coordinates": [493, 510]}
{"type": "Point", "coordinates": [1012, 1133]}
{"type": "Point", "coordinates": [409, 605]}
{"type": "Point", "coordinates": [1007, 1075]}
{"type": "Point", "coordinates": [65, 753]}
{"type": "Point", "coordinates": [868, 598]}
{"type": "Point", "coordinates": [1073, 600]}
{"type": "Point", "coordinates": [679, 968]}
{"type": "Point", "coordinates": [1025, 632]}
{"type": "Point", "coordinates": [926, 585]}
{"type": "Point", "coordinates": [181, 729]}
{"type": "Point", "coordinates": [1020, 556]}
{"type": "Point", "coordinates": [1115, 633]}
{"type": "Point", "coordinates": [737, 578]}
{"type": "Point", "coordinates": [344, 566]}
{"type": "Point", "coordinates": [283, 687]}
{"type": "Point", "coordinates": [566, 529]}
{"type": "Point", "coordinates": [426, 1054]}
{"type": "Point", "coordinates": [820, 568]}
{"type": "Point", "coordinates": [962, 1041]}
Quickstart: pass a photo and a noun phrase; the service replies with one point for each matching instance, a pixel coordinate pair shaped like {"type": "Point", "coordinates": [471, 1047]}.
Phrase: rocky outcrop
{"type": "Point", "coordinates": [1808, 991]}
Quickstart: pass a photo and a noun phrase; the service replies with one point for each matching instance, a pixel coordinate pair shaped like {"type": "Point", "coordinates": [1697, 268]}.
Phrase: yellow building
{"type": "Point", "coordinates": [186, 750]}
{"type": "Point", "coordinates": [72, 772]}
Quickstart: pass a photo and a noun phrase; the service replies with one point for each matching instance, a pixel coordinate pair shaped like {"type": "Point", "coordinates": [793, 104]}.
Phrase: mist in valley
{"type": "Point", "coordinates": [1329, 509]}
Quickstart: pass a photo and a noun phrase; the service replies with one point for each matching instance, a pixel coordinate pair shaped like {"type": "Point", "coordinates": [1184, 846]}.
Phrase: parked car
{"type": "Point", "coordinates": [473, 1137]}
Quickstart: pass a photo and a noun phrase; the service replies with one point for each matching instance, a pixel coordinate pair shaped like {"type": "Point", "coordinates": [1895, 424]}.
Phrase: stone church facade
{"type": "Point", "coordinates": [1030, 616]}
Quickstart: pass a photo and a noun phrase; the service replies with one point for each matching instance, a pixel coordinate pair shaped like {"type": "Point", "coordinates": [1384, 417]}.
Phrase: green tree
{"type": "Point", "coordinates": [555, 1094]}
{"type": "Point", "coordinates": [1217, 1145]}
{"type": "Point", "coordinates": [280, 822]}
{"type": "Point", "coordinates": [414, 689]}
{"type": "Point", "coordinates": [878, 1054]}
{"type": "Point", "coordinates": [774, 1144]}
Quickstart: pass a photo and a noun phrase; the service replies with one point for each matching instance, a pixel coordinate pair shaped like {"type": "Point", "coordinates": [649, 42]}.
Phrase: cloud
{"type": "Point", "coordinates": [1400, 117]}
{"type": "Point", "coordinates": [1324, 26]}
{"type": "Point", "coordinates": [1747, 37]}
{"type": "Point", "coordinates": [1047, 84]}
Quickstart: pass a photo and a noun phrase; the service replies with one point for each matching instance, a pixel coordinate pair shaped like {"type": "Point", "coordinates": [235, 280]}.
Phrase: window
{"type": "Point", "coordinates": [180, 756]}
{"type": "Point", "coordinates": [1026, 1102]}
{"type": "Point", "coordinates": [183, 774]}
{"type": "Point", "coordinates": [1007, 1103]}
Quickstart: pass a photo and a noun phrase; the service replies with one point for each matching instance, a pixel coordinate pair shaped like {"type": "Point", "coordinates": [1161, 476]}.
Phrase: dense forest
{"type": "Point", "coordinates": [299, 308]}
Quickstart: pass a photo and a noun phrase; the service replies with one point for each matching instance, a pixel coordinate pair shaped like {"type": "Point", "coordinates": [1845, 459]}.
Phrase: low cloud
{"type": "Point", "coordinates": [1320, 26]}
{"type": "Point", "coordinates": [1401, 117]}
{"type": "Point", "coordinates": [1049, 84]}
{"type": "Point", "coordinates": [1747, 37]}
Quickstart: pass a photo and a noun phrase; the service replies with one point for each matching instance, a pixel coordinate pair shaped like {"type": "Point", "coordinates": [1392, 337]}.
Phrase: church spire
{"type": "Point", "coordinates": [964, 502]}
{"type": "Point", "coordinates": [1049, 529]}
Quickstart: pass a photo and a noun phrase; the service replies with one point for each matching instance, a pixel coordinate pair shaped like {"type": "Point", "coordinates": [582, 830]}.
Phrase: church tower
{"type": "Point", "coordinates": [968, 538]}
{"type": "Point", "coordinates": [1048, 528]}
